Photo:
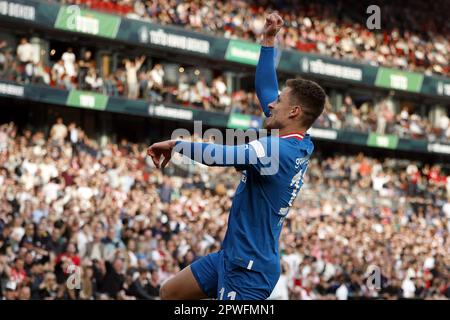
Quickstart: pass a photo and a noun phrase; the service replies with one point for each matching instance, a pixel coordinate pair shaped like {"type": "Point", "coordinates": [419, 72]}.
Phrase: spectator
{"type": "Point", "coordinates": [40, 74]}
{"type": "Point", "coordinates": [5, 55]}
{"type": "Point", "coordinates": [88, 283]}
{"type": "Point", "coordinates": [25, 56]}
{"type": "Point", "coordinates": [113, 281]}
{"type": "Point", "coordinates": [140, 287]}
{"type": "Point", "coordinates": [48, 289]}
{"type": "Point", "coordinates": [132, 68]}
{"type": "Point", "coordinates": [110, 85]}
{"type": "Point", "coordinates": [85, 64]}
{"type": "Point", "coordinates": [24, 293]}
{"type": "Point", "coordinates": [154, 285]}
{"type": "Point", "coordinates": [219, 90]}
{"type": "Point", "coordinates": [10, 291]}
{"type": "Point", "coordinates": [95, 250]}
{"type": "Point", "coordinates": [281, 290]}
{"type": "Point", "coordinates": [156, 78]}
{"type": "Point", "coordinates": [69, 59]}
{"type": "Point", "coordinates": [58, 73]}
{"type": "Point", "coordinates": [93, 81]}
{"type": "Point", "coordinates": [59, 131]}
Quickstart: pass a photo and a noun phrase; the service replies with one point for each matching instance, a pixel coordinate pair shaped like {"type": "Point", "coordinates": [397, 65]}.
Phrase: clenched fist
{"type": "Point", "coordinates": [273, 24]}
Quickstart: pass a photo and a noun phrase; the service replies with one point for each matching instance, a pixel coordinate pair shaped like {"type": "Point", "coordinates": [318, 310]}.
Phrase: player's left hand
{"type": "Point", "coordinates": [159, 149]}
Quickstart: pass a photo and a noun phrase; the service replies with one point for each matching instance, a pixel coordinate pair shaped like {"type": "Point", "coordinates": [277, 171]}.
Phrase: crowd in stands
{"type": "Point", "coordinates": [135, 80]}
{"type": "Point", "coordinates": [381, 117]}
{"type": "Point", "coordinates": [132, 79]}
{"type": "Point", "coordinates": [84, 220]}
{"type": "Point", "coordinates": [413, 35]}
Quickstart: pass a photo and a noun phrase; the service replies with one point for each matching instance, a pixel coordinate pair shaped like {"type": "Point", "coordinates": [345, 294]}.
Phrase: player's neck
{"type": "Point", "coordinates": [290, 130]}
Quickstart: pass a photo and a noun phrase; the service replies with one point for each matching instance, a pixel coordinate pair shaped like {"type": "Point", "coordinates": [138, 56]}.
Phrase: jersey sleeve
{"type": "Point", "coordinates": [259, 154]}
{"type": "Point", "coordinates": [266, 82]}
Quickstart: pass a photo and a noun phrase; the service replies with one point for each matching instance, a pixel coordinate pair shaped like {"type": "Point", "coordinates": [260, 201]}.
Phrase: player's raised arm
{"type": "Point", "coordinates": [266, 82]}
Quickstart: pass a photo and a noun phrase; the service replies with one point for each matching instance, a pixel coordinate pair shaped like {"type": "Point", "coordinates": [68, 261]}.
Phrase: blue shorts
{"type": "Point", "coordinates": [220, 279]}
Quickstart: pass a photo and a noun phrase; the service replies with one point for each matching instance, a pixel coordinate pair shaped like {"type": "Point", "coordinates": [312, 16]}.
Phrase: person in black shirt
{"type": "Point", "coordinates": [56, 243]}
{"type": "Point", "coordinates": [392, 289]}
{"type": "Point", "coordinates": [29, 262]}
{"type": "Point", "coordinates": [85, 64]}
{"type": "Point", "coordinates": [140, 288]}
{"type": "Point", "coordinates": [28, 237]}
{"type": "Point", "coordinates": [42, 237]}
{"type": "Point", "coordinates": [48, 289]}
{"type": "Point", "coordinates": [37, 277]}
{"type": "Point", "coordinates": [114, 278]}
{"type": "Point", "coordinates": [154, 286]}
{"type": "Point", "coordinates": [5, 240]}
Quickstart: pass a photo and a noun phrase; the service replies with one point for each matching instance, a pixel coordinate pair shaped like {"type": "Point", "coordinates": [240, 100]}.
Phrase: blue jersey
{"type": "Point", "coordinates": [272, 175]}
{"type": "Point", "coordinates": [261, 203]}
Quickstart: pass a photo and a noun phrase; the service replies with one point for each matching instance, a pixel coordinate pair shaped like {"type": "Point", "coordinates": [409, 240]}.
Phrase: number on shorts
{"type": "Point", "coordinates": [231, 294]}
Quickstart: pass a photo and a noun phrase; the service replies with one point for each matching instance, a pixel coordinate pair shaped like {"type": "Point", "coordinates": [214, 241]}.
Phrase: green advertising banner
{"type": "Point", "coordinates": [400, 80]}
{"type": "Point", "coordinates": [73, 18]}
{"type": "Point", "coordinates": [88, 100]}
{"type": "Point", "coordinates": [239, 121]}
{"type": "Point", "coordinates": [382, 141]}
{"type": "Point", "coordinates": [243, 52]}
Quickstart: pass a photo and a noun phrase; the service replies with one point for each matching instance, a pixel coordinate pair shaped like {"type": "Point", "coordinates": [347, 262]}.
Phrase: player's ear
{"type": "Point", "coordinates": [295, 111]}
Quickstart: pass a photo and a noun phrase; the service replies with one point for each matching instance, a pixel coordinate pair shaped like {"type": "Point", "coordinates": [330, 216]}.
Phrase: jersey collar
{"type": "Point", "coordinates": [295, 135]}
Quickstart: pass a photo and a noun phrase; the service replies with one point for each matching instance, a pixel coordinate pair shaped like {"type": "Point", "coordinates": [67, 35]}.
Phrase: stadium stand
{"type": "Point", "coordinates": [133, 80]}
{"type": "Point", "coordinates": [130, 227]}
{"type": "Point", "coordinates": [409, 40]}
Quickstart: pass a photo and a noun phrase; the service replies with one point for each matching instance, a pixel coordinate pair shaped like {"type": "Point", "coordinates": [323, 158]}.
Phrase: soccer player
{"type": "Point", "coordinates": [248, 265]}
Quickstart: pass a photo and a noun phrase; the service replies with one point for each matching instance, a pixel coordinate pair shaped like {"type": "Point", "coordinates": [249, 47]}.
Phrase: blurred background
{"type": "Point", "coordinates": [87, 85]}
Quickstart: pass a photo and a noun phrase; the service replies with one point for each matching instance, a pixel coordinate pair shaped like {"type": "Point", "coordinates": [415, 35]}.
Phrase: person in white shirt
{"type": "Point", "coordinates": [292, 259]}
{"type": "Point", "coordinates": [50, 191]}
{"type": "Point", "coordinates": [48, 170]}
{"type": "Point", "coordinates": [379, 181]}
{"type": "Point", "coordinates": [59, 131]}
{"type": "Point", "coordinates": [219, 86]}
{"type": "Point", "coordinates": [73, 130]}
{"type": "Point", "coordinates": [342, 292]}
{"type": "Point", "coordinates": [69, 62]}
{"type": "Point", "coordinates": [58, 72]}
{"type": "Point", "coordinates": [25, 54]}
{"type": "Point", "coordinates": [408, 288]}
{"type": "Point", "coordinates": [132, 68]}
{"type": "Point", "coordinates": [93, 81]}
{"type": "Point", "coordinates": [156, 77]}
{"type": "Point", "coordinates": [281, 290]}
{"type": "Point", "coordinates": [219, 90]}
{"type": "Point", "coordinates": [25, 51]}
